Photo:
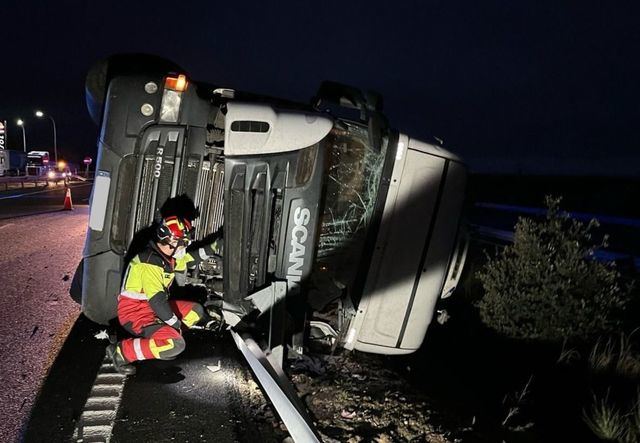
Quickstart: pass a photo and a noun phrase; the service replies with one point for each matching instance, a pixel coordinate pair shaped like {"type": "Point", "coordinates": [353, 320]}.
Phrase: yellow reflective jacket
{"type": "Point", "coordinates": [150, 274]}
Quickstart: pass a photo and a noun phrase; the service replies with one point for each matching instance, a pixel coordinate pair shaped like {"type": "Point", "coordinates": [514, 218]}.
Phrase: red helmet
{"type": "Point", "coordinates": [174, 228]}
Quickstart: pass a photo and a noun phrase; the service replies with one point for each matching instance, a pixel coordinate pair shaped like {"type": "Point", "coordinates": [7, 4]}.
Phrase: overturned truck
{"type": "Point", "coordinates": [321, 205]}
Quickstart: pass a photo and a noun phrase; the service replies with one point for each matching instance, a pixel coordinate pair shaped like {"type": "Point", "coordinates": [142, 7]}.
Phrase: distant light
{"type": "Point", "coordinates": [39, 114]}
{"type": "Point", "coordinates": [51, 174]}
{"type": "Point", "coordinates": [61, 164]}
{"type": "Point", "coordinates": [20, 122]}
{"type": "Point", "coordinates": [64, 174]}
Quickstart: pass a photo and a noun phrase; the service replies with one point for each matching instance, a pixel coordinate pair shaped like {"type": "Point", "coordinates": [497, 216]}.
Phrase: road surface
{"type": "Point", "coordinates": [39, 255]}
{"type": "Point", "coordinates": [49, 356]}
{"type": "Point", "coordinates": [19, 202]}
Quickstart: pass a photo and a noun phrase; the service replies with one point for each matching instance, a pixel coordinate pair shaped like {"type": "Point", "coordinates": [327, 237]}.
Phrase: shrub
{"type": "Point", "coordinates": [547, 286]}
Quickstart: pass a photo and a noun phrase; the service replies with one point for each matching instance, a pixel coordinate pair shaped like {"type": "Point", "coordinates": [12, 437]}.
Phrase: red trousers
{"type": "Point", "coordinates": [156, 339]}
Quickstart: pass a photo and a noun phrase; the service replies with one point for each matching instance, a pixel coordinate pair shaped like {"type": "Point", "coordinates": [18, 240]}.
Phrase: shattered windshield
{"type": "Point", "coordinates": [352, 183]}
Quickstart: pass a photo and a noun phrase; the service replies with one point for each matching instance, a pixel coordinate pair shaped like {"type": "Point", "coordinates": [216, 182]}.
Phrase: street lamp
{"type": "Point", "coordinates": [41, 114]}
{"type": "Point", "coordinates": [20, 123]}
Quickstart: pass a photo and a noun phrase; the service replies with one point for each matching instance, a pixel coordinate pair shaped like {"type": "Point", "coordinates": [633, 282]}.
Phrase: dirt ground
{"type": "Point", "coordinates": [353, 398]}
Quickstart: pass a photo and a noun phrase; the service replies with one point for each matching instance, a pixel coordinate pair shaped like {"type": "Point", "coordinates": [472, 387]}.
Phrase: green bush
{"type": "Point", "coordinates": [547, 286]}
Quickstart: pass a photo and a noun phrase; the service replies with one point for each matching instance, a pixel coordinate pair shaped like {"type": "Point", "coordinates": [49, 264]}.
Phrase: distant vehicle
{"type": "Point", "coordinates": [38, 162]}
{"type": "Point", "coordinates": [59, 174]}
{"type": "Point", "coordinates": [12, 162]}
{"type": "Point", "coordinates": [318, 207]}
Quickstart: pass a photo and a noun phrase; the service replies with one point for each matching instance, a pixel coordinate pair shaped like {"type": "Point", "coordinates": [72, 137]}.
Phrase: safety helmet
{"type": "Point", "coordinates": [174, 228]}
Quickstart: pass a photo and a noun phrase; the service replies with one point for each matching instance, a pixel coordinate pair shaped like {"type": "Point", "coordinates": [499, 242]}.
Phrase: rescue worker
{"type": "Point", "coordinates": [144, 309]}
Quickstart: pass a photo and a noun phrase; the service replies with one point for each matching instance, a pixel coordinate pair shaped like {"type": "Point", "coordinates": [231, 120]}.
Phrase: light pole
{"type": "Point", "coordinates": [20, 123]}
{"type": "Point", "coordinates": [41, 114]}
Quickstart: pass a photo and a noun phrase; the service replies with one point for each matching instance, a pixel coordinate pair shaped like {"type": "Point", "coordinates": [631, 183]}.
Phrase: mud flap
{"type": "Point", "coordinates": [75, 291]}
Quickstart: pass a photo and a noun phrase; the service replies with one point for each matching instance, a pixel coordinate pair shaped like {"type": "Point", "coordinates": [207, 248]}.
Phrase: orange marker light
{"type": "Point", "coordinates": [178, 83]}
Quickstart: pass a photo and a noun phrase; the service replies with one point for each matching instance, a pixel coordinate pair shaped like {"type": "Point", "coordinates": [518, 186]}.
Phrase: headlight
{"type": "Point", "coordinates": [170, 106]}
{"type": "Point", "coordinates": [51, 174]}
{"type": "Point", "coordinates": [64, 175]}
{"type": "Point", "coordinates": [172, 97]}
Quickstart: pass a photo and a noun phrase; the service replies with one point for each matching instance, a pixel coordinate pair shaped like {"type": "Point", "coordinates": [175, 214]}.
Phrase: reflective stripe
{"type": "Point", "coordinates": [172, 321]}
{"type": "Point", "coordinates": [203, 255]}
{"type": "Point", "coordinates": [134, 295]}
{"type": "Point", "coordinates": [191, 318]}
{"type": "Point", "coordinates": [138, 349]}
{"type": "Point", "coordinates": [156, 350]}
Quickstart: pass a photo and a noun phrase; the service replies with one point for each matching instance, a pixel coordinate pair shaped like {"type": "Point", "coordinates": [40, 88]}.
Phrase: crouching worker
{"type": "Point", "coordinates": [144, 308]}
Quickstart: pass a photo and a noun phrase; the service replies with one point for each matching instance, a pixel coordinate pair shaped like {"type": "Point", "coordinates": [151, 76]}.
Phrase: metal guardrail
{"type": "Point", "coordinates": [13, 182]}
{"type": "Point", "coordinates": [279, 390]}
{"type": "Point", "coordinates": [33, 181]}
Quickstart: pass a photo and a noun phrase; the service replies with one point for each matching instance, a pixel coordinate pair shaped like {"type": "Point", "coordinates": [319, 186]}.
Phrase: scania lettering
{"type": "Point", "coordinates": [299, 235]}
{"type": "Point", "coordinates": [357, 218]}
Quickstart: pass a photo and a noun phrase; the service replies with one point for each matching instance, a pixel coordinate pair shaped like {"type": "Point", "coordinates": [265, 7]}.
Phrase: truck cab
{"type": "Point", "coordinates": [318, 203]}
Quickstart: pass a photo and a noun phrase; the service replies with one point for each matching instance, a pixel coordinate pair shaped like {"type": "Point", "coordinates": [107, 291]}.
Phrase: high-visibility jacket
{"type": "Point", "coordinates": [151, 273]}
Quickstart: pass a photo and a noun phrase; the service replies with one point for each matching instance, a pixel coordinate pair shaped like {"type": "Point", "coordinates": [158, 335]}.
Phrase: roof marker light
{"type": "Point", "coordinates": [178, 83]}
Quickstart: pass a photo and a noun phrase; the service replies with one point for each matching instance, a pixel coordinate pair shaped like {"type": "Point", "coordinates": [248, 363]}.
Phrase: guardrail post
{"type": "Point", "coordinates": [277, 318]}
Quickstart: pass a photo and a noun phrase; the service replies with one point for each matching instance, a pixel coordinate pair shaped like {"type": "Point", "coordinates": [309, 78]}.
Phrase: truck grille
{"type": "Point", "coordinates": [182, 171]}
{"type": "Point", "coordinates": [209, 197]}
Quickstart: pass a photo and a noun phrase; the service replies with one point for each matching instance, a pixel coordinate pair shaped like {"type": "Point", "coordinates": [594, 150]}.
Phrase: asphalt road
{"type": "Point", "coordinates": [39, 255]}
{"type": "Point", "coordinates": [49, 356]}
{"type": "Point", "coordinates": [180, 400]}
{"type": "Point", "coordinates": [16, 203]}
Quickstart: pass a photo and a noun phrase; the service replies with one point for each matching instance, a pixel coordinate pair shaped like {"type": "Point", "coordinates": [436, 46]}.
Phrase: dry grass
{"type": "Point", "coordinates": [608, 422]}
{"type": "Point", "coordinates": [568, 355]}
{"type": "Point", "coordinates": [602, 356]}
{"type": "Point", "coordinates": [605, 420]}
{"type": "Point", "coordinates": [628, 362]}
{"type": "Point", "coordinates": [517, 401]}
{"type": "Point", "coordinates": [615, 356]}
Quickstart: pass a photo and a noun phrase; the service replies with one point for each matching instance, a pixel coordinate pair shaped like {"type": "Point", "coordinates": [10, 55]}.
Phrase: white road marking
{"type": "Point", "coordinates": [101, 408]}
{"type": "Point", "coordinates": [4, 226]}
{"type": "Point", "coordinates": [26, 194]}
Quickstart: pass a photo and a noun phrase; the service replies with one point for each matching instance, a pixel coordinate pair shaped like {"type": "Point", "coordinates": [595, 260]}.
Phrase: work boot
{"type": "Point", "coordinates": [119, 362]}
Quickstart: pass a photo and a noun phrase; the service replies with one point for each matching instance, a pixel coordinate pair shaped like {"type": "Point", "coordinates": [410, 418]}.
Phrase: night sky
{"type": "Point", "coordinates": [533, 87]}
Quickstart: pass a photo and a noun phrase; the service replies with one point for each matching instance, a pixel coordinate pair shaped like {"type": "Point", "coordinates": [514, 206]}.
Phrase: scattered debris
{"type": "Point", "coordinates": [348, 414]}
{"type": "Point", "coordinates": [215, 368]}
{"type": "Point", "coordinates": [35, 329]}
{"type": "Point", "coordinates": [358, 398]}
{"type": "Point", "coordinates": [443, 316]}
{"type": "Point", "coordinates": [102, 335]}
{"type": "Point", "coordinates": [65, 278]}
{"type": "Point", "coordinates": [309, 363]}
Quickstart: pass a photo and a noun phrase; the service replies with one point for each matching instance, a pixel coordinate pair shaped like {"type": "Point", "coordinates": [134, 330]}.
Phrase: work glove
{"type": "Point", "coordinates": [176, 324]}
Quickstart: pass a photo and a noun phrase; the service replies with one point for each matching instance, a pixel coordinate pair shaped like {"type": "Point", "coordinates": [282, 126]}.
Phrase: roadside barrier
{"type": "Point", "coordinates": [19, 182]}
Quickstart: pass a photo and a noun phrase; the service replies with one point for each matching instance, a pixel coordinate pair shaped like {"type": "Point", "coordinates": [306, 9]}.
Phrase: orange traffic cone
{"type": "Point", "coordinates": [68, 204]}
